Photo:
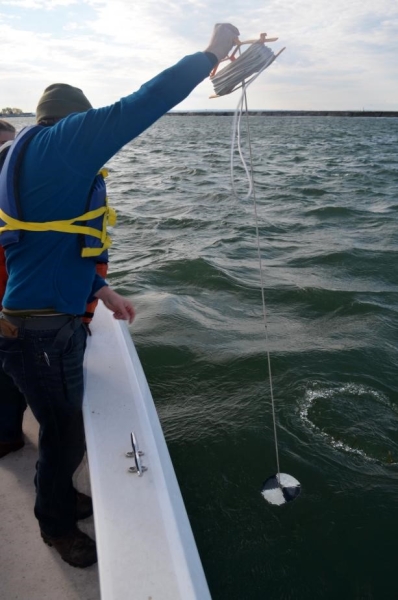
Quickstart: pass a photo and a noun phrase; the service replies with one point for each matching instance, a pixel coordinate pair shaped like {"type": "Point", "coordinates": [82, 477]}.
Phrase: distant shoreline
{"type": "Point", "coordinates": [287, 113]}
{"type": "Point", "coordinates": [264, 113]}
{"type": "Point", "coordinates": [5, 116]}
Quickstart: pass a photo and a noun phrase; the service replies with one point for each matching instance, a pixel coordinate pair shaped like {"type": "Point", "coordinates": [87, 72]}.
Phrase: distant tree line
{"type": "Point", "coordinates": [11, 111]}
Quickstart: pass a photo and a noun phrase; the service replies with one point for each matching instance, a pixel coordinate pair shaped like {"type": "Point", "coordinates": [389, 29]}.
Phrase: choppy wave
{"type": "Point", "coordinates": [186, 250]}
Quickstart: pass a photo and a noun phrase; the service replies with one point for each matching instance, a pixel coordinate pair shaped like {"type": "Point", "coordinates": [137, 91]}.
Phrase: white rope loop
{"type": "Point", "coordinates": [267, 59]}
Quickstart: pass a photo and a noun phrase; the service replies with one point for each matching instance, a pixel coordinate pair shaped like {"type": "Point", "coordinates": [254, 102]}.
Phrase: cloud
{"type": "Point", "coordinates": [339, 55]}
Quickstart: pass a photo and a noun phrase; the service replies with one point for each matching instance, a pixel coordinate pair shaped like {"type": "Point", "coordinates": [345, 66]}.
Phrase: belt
{"type": "Point", "coordinates": [65, 325]}
{"type": "Point", "coordinates": [39, 323]}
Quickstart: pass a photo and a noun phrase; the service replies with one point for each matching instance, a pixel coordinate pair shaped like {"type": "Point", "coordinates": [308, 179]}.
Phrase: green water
{"type": "Point", "coordinates": [186, 252]}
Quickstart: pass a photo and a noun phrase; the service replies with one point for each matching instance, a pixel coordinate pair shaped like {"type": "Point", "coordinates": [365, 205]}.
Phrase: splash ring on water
{"type": "Point", "coordinates": [345, 416]}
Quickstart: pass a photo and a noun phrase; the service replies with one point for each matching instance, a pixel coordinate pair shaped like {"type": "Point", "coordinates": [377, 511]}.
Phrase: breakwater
{"type": "Point", "coordinates": [266, 113]}
{"type": "Point", "coordinates": [19, 115]}
{"type": "Point", "coordinates": [288, 113]}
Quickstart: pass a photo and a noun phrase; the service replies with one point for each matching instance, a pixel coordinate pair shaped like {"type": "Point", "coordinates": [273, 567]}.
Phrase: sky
{"type": "Point", "coordinates": [340, 55]}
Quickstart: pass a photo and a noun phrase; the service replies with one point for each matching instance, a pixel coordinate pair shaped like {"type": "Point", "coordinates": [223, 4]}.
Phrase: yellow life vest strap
{"type": "Point", "coordinates": [65, 226]}
{"type": "Point", "coordinates": [69, 226]}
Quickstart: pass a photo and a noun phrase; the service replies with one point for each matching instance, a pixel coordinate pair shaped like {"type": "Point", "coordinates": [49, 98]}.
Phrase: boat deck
{"type": "Point", "coordinates": [29, 569]}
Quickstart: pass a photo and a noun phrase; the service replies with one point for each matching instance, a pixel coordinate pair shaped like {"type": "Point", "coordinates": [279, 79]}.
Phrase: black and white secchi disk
{"type": "Point", "coordinates": [280, 488]}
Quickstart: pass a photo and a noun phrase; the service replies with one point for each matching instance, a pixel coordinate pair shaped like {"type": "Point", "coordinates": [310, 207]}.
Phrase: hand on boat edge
{"type": "Point", "coordinates": [121, 307]}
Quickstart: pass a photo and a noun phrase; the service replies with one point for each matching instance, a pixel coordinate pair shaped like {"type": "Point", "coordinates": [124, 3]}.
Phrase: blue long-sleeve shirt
{"type": "Point", "coordinates": [46, 270]}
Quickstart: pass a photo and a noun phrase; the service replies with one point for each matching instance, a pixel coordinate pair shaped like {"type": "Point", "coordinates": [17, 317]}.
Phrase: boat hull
{"type": "Point", "coordinates": [146, 548]}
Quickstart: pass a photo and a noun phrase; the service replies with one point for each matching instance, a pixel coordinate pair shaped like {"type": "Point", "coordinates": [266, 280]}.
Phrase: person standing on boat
{"type": "Point", "coordinates": [53, 220]}
{"type": "Point", "coordinates": [7, 132]}
{"type": "Point", "coordinates": [12, 401]}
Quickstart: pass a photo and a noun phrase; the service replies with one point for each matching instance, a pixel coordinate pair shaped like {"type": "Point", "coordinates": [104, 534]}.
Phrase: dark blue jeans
{"type": "Point", "coordinates": [12, 408]}
{"type": "Point", "coordinates": [51, 380]}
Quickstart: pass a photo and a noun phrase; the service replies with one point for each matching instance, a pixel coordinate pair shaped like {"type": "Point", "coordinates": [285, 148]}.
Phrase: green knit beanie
{"type": "Point", "coordinates": [60, 100]}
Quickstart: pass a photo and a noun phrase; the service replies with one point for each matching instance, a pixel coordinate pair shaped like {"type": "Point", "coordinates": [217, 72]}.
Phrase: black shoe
{"type": "Point", "coordinates": [84, 506]}
{"type": "Point", "coordinates": [76, 548]}
{"type": "Point", "coordinates": [7, 447]}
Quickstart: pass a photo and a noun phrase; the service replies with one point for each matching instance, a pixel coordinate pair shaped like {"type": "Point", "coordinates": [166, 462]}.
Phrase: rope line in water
{"type": "Point", "coordinates": [280, 488]}
{"type": "Point", "coordinates": [242, 106]}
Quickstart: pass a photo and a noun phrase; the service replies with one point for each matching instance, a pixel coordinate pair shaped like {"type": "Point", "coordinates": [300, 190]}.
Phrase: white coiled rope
{"type": "Point", "coordinates": [253, 60]}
